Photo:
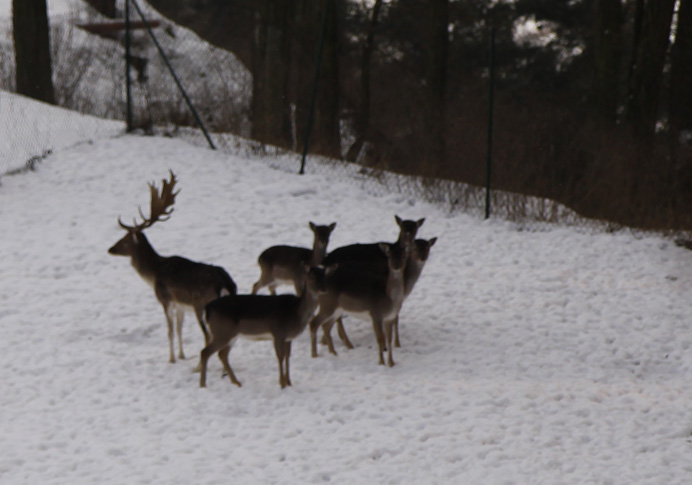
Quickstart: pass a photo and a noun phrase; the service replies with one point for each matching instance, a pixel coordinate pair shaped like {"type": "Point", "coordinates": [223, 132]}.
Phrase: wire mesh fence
{"type": "Point", "coordinates": [88, 52]}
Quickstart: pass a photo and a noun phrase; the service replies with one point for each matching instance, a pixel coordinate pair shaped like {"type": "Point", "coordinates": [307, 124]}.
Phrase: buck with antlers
{"type": "Point", "coordinates": [284, 264]}
{"type": "Point", "coordinates": [179, 284]}
{"type": "Point", "coordinates": [280, 318]}
{"type": "Point", "coordinates": [369, 257]}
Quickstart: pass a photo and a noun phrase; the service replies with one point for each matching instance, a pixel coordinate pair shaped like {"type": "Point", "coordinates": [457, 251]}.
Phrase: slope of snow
{"type": "Point", "coordinates": [31, 129]}
{"type": "Point", "coordinates": [527, 357]}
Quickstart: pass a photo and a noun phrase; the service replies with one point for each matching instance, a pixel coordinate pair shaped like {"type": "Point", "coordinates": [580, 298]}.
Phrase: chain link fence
{"type": "Point", "coordinates": [88, 54]}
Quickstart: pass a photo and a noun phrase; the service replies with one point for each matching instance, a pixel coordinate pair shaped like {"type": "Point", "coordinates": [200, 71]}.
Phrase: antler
{"type": "Point", "coordinates": [161, 205]}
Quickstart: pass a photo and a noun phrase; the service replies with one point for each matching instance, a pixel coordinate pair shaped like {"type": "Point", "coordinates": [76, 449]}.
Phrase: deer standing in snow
{"type": "Point", "coordinates": [179, 284]}
{"type": "Point", "coordinates": [370, 258]}
{"type": "Point", "coordinates": [280, 318]}
{"type": "Point", "coordinates": [353, 290]}
{"type": "Point", "coordinates": [284, 264]}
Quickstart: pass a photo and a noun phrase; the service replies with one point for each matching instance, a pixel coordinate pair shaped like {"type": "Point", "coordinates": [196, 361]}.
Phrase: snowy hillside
{"type": "Point", "coordinates": [89, 76]}
{"type": "Point", "coordinates": [553, 357]}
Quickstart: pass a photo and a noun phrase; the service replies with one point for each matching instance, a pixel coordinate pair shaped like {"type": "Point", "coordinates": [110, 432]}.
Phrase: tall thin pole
{"type": "Point", "coordinates": [128, 60]}
{"type": "Point", "coordinates": [489, 148]}
{"type": "Point", "coordinates": [313, 96]}
{"type": "Point", "coordinates": [175, 77]}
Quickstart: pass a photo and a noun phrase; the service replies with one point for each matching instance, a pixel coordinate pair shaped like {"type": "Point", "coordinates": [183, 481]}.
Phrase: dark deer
{"type": "Point", "coordinates": [417, 258]}
{"type": "Point", "coordinates": [179, 284]}
{"type": "Point", "coordinates": [370, 257]}
{"type": "Point", "coordinates": [284, 264]}
{"type": "Point", "coordinates": [280, 318]}
{"type": "Point", "coordinates": [355, 291]}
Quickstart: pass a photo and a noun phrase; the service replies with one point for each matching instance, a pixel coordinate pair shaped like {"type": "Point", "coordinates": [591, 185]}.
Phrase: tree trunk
{"type": "Point", "coordinates": [362, 125]}
{"type": "Point", "coordinates": [325, 138]}
{"type": "Point", "coordinates": [271, 122]}
{"type": "Point", "coordinates": [607, 58]}
{"type": "Point", "coordinates": [681, 72]}
{"type": "Point", "coordinates": [436, 38]}
{"type": "Point", "coordinates": [648, 63]}
{"type": "Point", "coordinates": [32, 50]}
{"type": "Point", "coordinates": [680, 113]}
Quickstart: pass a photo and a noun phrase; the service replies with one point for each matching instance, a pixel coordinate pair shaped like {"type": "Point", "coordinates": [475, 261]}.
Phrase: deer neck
{"type": "Point", "coordinates": [414, 268]}
{"type": "Point", "coordinates": [395, 285]}
{"type": "Point", "coordinates": [307, 306]}
{"type": "Point", "coordinates": [145, 259]}
{"type": "Point", "coordinates": [319, 251]}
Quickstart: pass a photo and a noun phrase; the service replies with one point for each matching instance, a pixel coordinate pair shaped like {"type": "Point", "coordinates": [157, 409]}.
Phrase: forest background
{"type": "Point", "coordinates": [592, 98]}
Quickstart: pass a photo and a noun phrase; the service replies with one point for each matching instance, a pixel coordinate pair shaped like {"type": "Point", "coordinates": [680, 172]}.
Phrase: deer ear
{"type": "Point", "coordinates": [312, 226]}
{"type": "Point", "coordinates": [332, 226]}
{"type": "Point", "coordinates": [397, 219]}
{"type": "Point", "coordinates": [432, 242]}
{"type": "Point", "coordinates": [420, 222]}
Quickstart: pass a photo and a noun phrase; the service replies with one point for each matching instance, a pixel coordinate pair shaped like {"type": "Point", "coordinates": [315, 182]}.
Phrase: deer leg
{"type": "Point", "coordinates": [199, 313]}
{"type": "Point", "coordinates": [324, 315]}
{"type": "Point", "coordinates": [207, 352]}
{"type": "Point", "coordinates": [396, 331]}
{"type": "Point", "coordinates": [342, 333]}
{"type": "Point", "coordinates": [169, 320]}
{"type": "Point", "coordinates": [379, 334]}
{"type": "Point", "coordinates": [287, 358]}
{"type": "Point", "coordinates": [263, 281]}
{"type": "Point", "coordinates": [388, 330]}
{"type": "Point", "coordinates": [179, 317]}
{"type": "Point", "coordinates": [280, 349]}
{"type": "Point", "coordinates": [327, 335]}
{"type": "Point", "coordinates": [223, 355]}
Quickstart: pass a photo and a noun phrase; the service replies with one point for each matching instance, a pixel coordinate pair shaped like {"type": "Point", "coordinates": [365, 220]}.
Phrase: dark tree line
{"type": "Point", "coordinates": [593, 105]}
{"type": "Point", "coordinates": [595, 111]}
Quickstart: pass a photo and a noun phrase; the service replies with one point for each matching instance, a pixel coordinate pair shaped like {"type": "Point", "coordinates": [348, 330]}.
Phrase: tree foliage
{"type": "Point", "coordinates": [593, 105]}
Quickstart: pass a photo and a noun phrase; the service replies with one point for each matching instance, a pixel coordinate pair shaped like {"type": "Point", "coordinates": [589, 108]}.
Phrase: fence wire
{"type": "Point", "coordinates": [89, 80]}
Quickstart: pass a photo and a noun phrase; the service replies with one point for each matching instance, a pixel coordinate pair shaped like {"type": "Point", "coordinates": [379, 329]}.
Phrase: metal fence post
{"type": "Point", "coordinates": [175, 76]}
{"type": "Point", "coordinates": [128, 60]}
{"type": "Point", "coordinates": [489, 148]}
{"type": "Point", "coordinates": [313, 96]}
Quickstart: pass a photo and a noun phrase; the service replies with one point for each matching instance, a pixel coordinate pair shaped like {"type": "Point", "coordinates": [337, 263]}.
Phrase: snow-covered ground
{"type": "Point", "coordinates": [551, 357]}
{"type": "Point", "coordinates": [89, 72]}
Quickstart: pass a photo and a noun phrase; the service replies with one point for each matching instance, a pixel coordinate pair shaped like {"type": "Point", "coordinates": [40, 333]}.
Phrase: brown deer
{"type": "Point", "coordinates": [414, 267]}
{"type": "Point", "coordinates": [353, 290]}
{"type": "Point", "coordinates": [368, 256]}
{"type": "Point", "coordinates": [179, 284]}
{"type": "Point", "coordinates": [280, 318]}
{"type": "Point", "coordinates": [417, 258]}
{"type": "Point", "coordinates": [284, 264]}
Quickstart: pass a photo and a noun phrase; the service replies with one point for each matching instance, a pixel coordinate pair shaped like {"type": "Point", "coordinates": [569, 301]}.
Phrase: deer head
{"type": "Point", "coordinates": [161, 210]}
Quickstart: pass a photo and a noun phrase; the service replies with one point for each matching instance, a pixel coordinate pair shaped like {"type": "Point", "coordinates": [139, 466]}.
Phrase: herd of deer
{"type": "Point", "coordinates": [366, 280]}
